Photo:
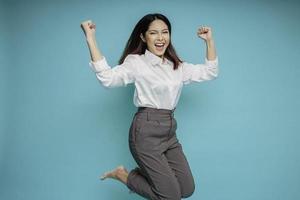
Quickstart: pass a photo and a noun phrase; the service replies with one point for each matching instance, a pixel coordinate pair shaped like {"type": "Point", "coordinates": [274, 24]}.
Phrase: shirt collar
{"type": "Point", "coordinates": [156, 60]}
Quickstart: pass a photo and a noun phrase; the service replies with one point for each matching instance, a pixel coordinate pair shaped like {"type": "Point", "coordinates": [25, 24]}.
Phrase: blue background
{"type": "Point", "coordinates": [60, 129]}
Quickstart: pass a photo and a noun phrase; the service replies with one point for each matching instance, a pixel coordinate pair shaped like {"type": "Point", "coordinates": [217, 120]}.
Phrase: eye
{"type": "Point", "coordinates": [152, 33]}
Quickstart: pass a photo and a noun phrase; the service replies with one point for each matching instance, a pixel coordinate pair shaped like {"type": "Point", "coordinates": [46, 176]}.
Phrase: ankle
{"type": "Point", "coordinates": [122, 176]}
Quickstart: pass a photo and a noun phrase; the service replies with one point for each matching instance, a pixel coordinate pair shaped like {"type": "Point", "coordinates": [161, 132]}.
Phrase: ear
{"type": "Point", "coordinates": [142, 37]}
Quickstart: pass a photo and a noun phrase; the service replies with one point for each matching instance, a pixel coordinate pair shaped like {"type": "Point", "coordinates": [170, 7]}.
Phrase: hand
{"type": "Point", "coordinates": [89, 28]}
{"type": "Point", "coordinates": [205, 33]}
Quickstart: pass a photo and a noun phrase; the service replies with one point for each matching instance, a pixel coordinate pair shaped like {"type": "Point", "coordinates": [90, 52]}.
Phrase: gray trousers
{"type": "Point", "coordinates": [163, 172]}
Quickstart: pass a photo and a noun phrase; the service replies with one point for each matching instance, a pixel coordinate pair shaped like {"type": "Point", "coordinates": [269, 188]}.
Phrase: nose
{"type": "Point", "coordinates": [160, 36]}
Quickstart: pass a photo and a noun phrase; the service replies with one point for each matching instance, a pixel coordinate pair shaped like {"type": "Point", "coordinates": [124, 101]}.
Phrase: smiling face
{"type": "Point", "coordinates": [157, 37]}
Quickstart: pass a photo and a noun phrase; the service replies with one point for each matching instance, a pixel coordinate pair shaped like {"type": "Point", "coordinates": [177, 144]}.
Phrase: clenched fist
{"type": "Point", "coordinates": [89, 28]}
{"type": "Point", "coordinates": [205, 33]}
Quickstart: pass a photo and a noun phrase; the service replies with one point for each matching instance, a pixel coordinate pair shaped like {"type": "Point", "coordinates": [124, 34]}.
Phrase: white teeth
{"type": "Point", "coordinates": [160, 45]}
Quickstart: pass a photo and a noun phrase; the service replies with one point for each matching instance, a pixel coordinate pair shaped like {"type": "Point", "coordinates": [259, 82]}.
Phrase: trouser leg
{"type": "Point", "coordinates": [180, 167]}
{"type": "Point", "coordinates": [154, 179]}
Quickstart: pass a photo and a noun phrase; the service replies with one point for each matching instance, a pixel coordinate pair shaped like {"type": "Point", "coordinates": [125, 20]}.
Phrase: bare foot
{"type": "Point", "coordinates": [120, 173]}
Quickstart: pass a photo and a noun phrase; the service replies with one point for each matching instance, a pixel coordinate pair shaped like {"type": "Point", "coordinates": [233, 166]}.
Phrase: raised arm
{"type": "Point", "coordinates": [205, 33]}
{"type": "Point", "coordinates": [89, 29]}
{"type": "Point", "coordinates": [210, 69]}
{"type": "Point", "coordinates": [120, 75]}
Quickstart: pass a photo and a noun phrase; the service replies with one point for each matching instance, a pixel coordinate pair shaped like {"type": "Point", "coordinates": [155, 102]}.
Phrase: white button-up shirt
{"type": "Point", "coordinates": [157, 84]}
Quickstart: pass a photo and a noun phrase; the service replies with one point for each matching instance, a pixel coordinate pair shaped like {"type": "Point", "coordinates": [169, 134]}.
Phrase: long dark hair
{"type": "Point", "coordinates": [135, 45]}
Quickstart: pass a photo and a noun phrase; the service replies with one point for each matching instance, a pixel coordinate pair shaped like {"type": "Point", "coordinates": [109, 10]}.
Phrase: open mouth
{"type": "Point", "coordinates": [159, 46]}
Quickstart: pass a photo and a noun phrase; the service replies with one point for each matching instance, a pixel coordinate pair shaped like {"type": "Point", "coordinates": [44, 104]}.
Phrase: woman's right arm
{"type": "Point", "coordinates": [93, 48]}
{"type": "Point", "coordinates": [120, 75]}
{"type": "Point", "coordinates": [89, 29]}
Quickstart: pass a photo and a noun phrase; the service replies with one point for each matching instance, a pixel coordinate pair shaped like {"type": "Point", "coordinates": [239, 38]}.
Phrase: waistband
{"type": "Point", "coordinates": [156, 110]}
{"type": "Point", "coordinates": [155, 113]}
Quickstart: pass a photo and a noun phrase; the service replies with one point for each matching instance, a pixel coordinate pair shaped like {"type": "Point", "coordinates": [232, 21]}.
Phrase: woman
{"type": "Point", "coordinates": [151, 63]}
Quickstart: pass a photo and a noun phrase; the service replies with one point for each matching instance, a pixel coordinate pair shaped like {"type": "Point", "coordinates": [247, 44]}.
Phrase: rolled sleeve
{"type": "Point", "coordinates": [212, 63]}
{"type": "Point", "coordinates": [99, 65]}
{"type": "Point", "coordinates": [200, 72]}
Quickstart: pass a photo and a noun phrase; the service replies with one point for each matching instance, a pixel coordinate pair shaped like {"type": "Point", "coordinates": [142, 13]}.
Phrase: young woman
{"type": "Point", "coordinates": [151, 63]}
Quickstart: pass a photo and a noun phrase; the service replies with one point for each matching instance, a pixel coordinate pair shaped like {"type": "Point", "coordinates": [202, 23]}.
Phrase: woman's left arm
{"type": "Point", "coordinates": [205, 33]}
{"type": "Point", "coordinates": [207, 71]}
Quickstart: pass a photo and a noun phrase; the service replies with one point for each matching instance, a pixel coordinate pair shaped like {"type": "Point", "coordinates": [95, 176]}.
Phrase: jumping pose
{"type": "Point", "coordinates": [150, 62]}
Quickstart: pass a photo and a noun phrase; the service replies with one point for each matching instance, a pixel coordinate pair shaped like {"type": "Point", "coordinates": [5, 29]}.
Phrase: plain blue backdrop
{"type": "Point", "coordinates": [60, 129]}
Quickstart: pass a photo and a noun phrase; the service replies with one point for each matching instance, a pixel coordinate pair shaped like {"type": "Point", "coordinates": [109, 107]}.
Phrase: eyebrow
{"type": "Point", "coordinates": [157, 30]}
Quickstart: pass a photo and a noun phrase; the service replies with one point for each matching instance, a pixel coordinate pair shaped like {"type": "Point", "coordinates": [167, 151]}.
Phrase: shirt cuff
{"type": "Point", "coordinates": [99, 65]}
{"type": "Point", "coordinates": [212, 62]}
